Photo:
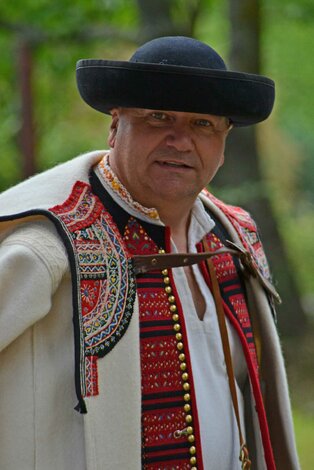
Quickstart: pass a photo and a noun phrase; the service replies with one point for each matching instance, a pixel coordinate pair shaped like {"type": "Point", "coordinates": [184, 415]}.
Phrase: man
{"type": "Point", "coordinates": [176, 357]}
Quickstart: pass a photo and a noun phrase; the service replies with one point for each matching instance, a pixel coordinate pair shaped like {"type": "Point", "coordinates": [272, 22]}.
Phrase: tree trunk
{"type": "Point", "coordinates": [242, 166]}
{"type": "Point", "coordinates": [159, 18]}
{"type": "Point", "coordinates": [155, 18]}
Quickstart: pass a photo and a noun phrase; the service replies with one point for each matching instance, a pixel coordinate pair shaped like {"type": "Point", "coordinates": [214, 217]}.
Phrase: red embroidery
{"type": "Point", "coordinates": [91, 376]}
{"type": "Point", "coordinates": [89, 294]}
{"type": "Point", "coordinates": [247, 231]}
{"type": "Point", "coordinates": [105, 282]}
{"type": "Point", "coordinates": [161, 426]}
{"type": "Point", "coordinates": [137, 239]}
{"type": "Point", "coordinates": [174, 465]}
{"type": "Point", "coordinates": [80, 209]}
{"type": "Point", "coordinates": [154, 305]}
{"type": "Point", "coordinates": [161, 369]}
{"type": "Point", "coordinates": [232, 293]}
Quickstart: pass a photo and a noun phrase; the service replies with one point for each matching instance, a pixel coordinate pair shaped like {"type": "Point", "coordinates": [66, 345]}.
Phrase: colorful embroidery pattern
{"type": "Point", "coordinates": [247, 231]}
{"type": "Point", "coordinates": [163, 396]}
{"type": "Point", "coordinates": [105, 278]}
{"type": "Point", "coordinates": [137, 240]}
{"type": "Point", "coordinates": [232, 292]}
{"type": "Point", "coordinates": [117, 186]}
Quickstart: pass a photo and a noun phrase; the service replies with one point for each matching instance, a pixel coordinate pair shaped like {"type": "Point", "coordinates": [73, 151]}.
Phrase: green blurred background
{"type": "Point", "coordinates": [44, 122]}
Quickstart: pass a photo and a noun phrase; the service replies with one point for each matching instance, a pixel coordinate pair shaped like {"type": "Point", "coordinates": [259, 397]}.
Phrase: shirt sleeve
{"type": "Point", "coordinates": [33, 261]}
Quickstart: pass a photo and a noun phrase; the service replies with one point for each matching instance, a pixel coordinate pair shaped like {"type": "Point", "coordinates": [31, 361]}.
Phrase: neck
{"type": "Point", "coordinates": [178, 221]}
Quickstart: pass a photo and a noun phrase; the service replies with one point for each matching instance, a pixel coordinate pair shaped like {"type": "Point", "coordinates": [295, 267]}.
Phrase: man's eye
{"type": "Point", "coordinates": [159, 116]}
{"type": "Point", "coordinates": [204, 123]}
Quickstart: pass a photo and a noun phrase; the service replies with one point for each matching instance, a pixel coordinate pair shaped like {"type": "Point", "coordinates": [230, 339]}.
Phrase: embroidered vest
{"type": "Point", "coordinates": [104, 295]}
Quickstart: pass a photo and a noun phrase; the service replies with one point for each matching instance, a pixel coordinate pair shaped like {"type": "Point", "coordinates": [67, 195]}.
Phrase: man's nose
{"type": "Point", "coordinates": [180, 138]}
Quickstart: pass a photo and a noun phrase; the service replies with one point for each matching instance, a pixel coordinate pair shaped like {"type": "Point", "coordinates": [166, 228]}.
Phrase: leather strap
{"type": "Point", "coordinates": [244, 453]}
{"type": "Point", "coordinates": [145, 263]}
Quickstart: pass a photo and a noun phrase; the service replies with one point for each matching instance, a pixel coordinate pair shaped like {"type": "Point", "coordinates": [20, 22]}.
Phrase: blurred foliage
{"type": "Point", "coordinates": [62, 32]}
{"type": "Point", "coordinates": [288, 44]}
{"type": "Point", "coordinates": [304, 427]}
{"type": "Point", "coordinates": [63, 17]}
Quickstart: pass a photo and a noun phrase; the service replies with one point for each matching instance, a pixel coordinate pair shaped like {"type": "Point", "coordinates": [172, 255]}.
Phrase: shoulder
{"type": "Point", "coordinates": [242, 226]}
{"type": "Point", "coordinates": [49, 188]}
{"type": "Point", "coordinates": [39, 241]}
{"type": "Point", "coordinates": [233, 212]}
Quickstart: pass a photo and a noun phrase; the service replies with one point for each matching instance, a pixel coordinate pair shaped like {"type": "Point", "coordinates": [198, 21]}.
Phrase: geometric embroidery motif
{"type": "Point", "coordinates": [161, 375]}
{"type": "Point", "coordinates": [137, 240]}
{"type": "Point", "coordinates": [247, 231]}
{"type": "Point", "coordinates": [91, 376]}
{"type": "Point", "coordinates": [106, 282]}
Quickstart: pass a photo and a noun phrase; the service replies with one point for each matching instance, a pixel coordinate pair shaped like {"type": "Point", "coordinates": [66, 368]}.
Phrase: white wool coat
{"type": "Point", "coordinates": [39, 428]}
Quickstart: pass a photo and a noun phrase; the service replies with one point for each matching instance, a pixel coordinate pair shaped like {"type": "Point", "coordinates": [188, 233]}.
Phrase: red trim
{"type": "Point", "coordinates": [70, 203]}
{"type": "Point", "coordinates": [234, 286]}
{"type": "Point", "coordinates": [196, 426]}
{"type": "Point", "coordinates": [176, 464]}
{"type": "Point", "coordinates": [92, 377]}
{"type": "Point", "coordinates": [269, 457]}
{"type": "Point", "coordinates": [79, 190]}
{"type": "Point", "coordinates": [160, 453]}
{"type": "Point", "coordinates": [147, 280]}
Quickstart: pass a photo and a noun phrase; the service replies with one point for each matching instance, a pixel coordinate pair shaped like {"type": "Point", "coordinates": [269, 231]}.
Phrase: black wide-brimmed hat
{"type": "Point", "coordinates": [178, 74]}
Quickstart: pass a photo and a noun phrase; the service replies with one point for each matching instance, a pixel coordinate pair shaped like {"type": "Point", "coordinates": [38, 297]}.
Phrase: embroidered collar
{"type": "Point", "coordinates": [110, 179]}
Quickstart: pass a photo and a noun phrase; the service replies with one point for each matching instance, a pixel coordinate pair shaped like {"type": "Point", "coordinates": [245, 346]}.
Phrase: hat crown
{"type": "Point", "coordinates": [179, 51]}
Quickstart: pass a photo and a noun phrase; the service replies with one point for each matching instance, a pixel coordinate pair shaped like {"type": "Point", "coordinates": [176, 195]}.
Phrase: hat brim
{"type": "Point", "coordinates": [244, 98]}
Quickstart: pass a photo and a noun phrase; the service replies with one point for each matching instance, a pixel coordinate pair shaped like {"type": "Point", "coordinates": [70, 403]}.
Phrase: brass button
{"type": "Point", "coordinates": [186, 386]}
{"type": "Point", "coordinates": [185, 376]}
{"type": "Point", "coordinates": [193, 460]}
{"type": "Point", "coordinates": [180, 346]}
{"type": "Point", "coordinates": [183, 366]}
{"type": "Point", "coordinates": [191, 438]}
{"type": "Point", "coordinates": [168, 290]}
{"type": "Point", "coordinates": [182, 357]}
{"type": "Point", "coordinates": [162, 251]}
{"type": "Point", "coordinates": [176, 327]}
{"type": "Point", "coordinates": [175, 317]}
{"type": "Point", "coordinates": [188, 419]}
{"type": "Point", "coordinates": [186, 397]}
{"type": "Point", "coordinates": [167, 280]}
{"type": "Point", "coordinates": [189, 430]}
{"type": "Point", "coordinates": [171, 299]}
{"type": "Point", "coordinates": [192, 450]}
{"type": "Point", "coordinates": [187, 408]}
{"type": "Point", "coordinates": [179, 337]}
{"type": "Point", "coordinates": [173, 308]}
{"type": "Point", "coordinates": [164, 272]}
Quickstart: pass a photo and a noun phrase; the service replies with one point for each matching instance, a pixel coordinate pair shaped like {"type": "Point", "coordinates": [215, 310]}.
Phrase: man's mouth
{"type": "Point", "coordinates": [174, 164]}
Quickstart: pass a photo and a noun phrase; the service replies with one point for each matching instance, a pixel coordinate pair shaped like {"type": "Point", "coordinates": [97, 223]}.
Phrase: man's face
{"type": "Point", "coordinates": [165, 156]}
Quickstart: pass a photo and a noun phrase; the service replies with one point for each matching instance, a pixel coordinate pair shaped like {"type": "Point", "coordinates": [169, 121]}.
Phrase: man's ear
{"type": "Point", "coordinates": [113, 127]}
